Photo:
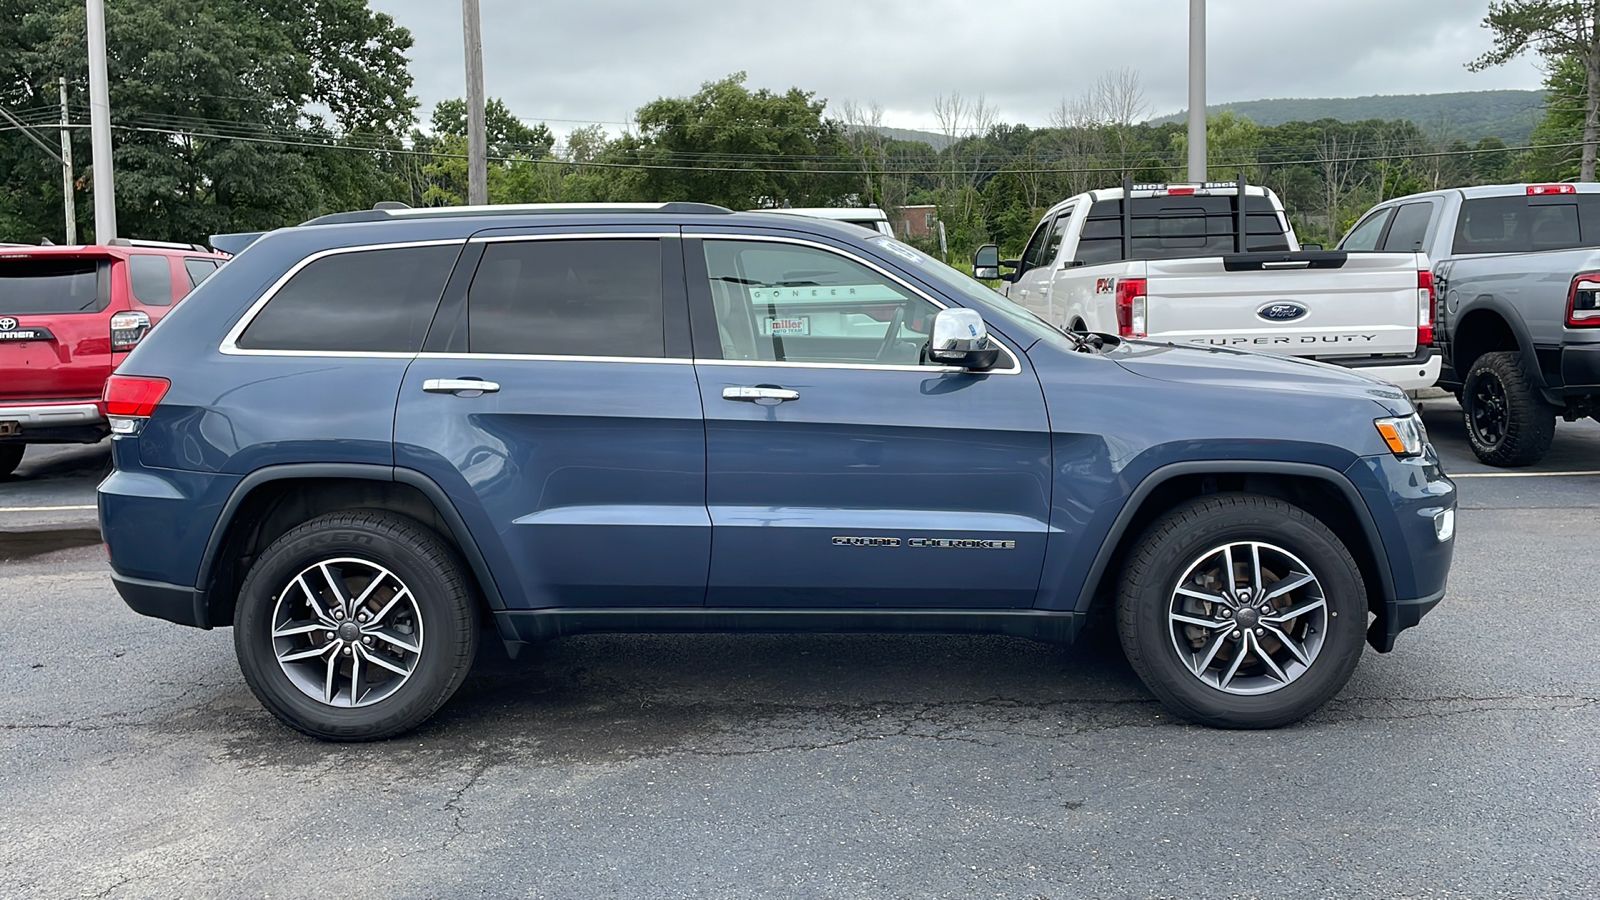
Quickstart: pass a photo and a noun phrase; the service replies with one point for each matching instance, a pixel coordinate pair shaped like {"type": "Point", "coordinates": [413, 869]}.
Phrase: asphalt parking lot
{"type": "Point", "coordinates": [1464, 764]}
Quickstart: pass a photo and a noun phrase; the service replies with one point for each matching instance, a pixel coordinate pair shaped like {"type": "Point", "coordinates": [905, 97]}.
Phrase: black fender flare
{"type": "Point", "coordinates": [1513, 319]}
{"type": "Point", "coordinates": [1142, 491]}
{"type": "Point", "coordinates": [350, 471]}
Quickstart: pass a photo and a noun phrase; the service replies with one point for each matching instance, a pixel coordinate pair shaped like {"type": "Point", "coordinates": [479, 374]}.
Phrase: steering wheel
{"type": "Point", "coordinates": [891, 338]}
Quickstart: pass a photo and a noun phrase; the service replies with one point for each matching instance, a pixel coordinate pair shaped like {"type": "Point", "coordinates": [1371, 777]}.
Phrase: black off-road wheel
{"type": "Point", "coordinates": [1508, 423]}
{"type": "Point", "coordinates": [356, 626]}
{"type": "Point", "coordinates": [1242, 611]}
{"type": "Point", "coordinates": [11, 457]}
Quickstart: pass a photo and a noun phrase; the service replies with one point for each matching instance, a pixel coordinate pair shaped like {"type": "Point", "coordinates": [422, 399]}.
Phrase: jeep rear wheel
{"type": "Point", "coordinates": [1508, 423]}
{"type": "Point", "coordinates": [355, 626]}
{"type": "Point", "coordinates": [1242, 611]}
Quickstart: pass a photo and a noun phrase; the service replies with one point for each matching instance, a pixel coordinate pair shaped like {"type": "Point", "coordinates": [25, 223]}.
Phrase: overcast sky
{"type": "Point", "coordinates": [573, 63]}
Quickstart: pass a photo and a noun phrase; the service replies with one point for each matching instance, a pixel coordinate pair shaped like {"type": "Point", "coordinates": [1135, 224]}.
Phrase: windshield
{"type": "Point", "coordinates": [968, 287]}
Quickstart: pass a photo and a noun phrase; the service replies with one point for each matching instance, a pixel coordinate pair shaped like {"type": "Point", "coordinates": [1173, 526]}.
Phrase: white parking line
{"type": "Point", "coordinates": [1524, 474]}
{"type": "Point", "coordinates": [7, 509]}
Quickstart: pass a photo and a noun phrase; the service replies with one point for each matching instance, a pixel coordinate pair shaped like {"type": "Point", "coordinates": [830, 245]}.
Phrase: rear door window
{"type": "Point", "coordinates": [1368, 232]}
{"type": "Point", "coordinates": [151, 279]}
{"type": "Point", "coordinates": [1058, 234]}
{"type": "Point", "coordinates": [52, 285]}
{"type": "Point", "coordinates": [572, 297]}
{"type": "Point", "coordinates": [364, 301]}
{"type": "Point", "coordinates": [1409, 228]}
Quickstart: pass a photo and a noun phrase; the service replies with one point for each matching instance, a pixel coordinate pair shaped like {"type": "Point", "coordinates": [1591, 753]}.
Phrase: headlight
{"type": "Point", "coordinates": [1405, 436]}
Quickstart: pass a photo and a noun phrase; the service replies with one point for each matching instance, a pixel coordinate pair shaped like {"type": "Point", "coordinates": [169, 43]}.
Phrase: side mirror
{"type": "Point", "coordinates": [961, 339]}
{"type": "Point", "coordinates": [986, 263]}
{"type": "Point", "coordinates": [1310, 246]}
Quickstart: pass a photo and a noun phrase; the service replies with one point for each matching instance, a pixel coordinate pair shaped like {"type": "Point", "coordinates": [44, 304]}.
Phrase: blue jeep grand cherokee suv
{"type": "Point", "coordinates": [366, 435]}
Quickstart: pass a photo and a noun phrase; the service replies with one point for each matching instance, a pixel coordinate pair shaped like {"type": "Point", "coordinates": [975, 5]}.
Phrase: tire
{"type": "Point", "coordinates": [1508, 423]}
{"type": "Point", "coordinates": [11, 457]}
{"type": "Point", "coordinates": [426, 634]}
{"type": "Point", "coordinates": [1221, 676]}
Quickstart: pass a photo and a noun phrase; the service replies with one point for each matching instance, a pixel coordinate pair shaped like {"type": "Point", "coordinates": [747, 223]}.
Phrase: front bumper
{"type": "Point", "coordinates": [1405, 497]}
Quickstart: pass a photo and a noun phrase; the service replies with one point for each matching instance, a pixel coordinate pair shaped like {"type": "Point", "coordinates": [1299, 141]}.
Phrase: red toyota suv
{"type": "Point", "coordinates": [68, 316]}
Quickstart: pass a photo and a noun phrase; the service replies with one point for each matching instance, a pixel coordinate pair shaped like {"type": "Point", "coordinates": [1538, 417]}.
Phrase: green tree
{"type": "Point", "coordinates": [739, 148]}
{"type": "Point", "coordinates": [209, 101]}
{"type": "Point", "coordinates": [1558, 30]}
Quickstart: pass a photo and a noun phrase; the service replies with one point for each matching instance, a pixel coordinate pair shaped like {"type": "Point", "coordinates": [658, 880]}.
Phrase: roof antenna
{"type": "Point", "coordinates": [390, 204]}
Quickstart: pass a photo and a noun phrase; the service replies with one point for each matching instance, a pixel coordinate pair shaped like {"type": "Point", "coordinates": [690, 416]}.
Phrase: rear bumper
{"type": "Point", "coordinates": [159, 600]}
{"type": "Point", "coordinates": [1407, 373]}
{"type": "Point", "coordinates": [67, 421]}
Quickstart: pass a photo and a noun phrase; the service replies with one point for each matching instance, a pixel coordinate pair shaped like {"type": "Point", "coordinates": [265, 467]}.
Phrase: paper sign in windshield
{"type": "Point", "coordinates": [785, 326]}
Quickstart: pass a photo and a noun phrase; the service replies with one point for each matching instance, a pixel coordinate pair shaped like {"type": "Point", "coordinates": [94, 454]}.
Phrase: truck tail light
{"type": "Point", "coordinates": [1583, 301]}
{"type": "Point", "coordinates": [1424, 308]}
{"type": "Point", "coordinates": [1132, 321]}
{"type": "Point", "coordinates": [130, 399]}
{"type": "Point", "coordinates": [1539, 190]}
{"type": "Point", "coordinates": [128, 329]}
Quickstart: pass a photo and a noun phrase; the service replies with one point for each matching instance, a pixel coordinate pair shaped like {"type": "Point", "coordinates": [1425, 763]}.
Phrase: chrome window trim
{"type": "Point", "coordinates": [546, 357]}
{"type": "Point", "coordinates": [1016, 357]}
{"type": "Point", "coordinates": [230, 345]}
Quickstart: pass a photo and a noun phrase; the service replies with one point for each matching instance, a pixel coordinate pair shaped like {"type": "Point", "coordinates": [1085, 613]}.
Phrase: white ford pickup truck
{"type": "Point", "coordinates": [1191, 264]}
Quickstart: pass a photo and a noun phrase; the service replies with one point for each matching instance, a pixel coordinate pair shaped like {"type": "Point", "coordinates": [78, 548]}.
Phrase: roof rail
{"type": "Point", "coordinates": [389, 211]}
{"type": "Point", "coordinates": [162, 245]}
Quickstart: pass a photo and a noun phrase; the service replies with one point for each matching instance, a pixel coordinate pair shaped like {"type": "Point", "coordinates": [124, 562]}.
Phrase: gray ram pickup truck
{"type": "Point", "coordinates": [1516, 277]}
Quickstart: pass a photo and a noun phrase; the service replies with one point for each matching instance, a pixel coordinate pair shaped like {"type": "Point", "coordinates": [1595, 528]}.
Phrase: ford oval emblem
{"type": "Point", "coordinates": [1281, 311]}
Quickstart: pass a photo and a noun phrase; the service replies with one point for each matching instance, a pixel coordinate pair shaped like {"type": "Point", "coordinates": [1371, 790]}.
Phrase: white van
{"type": "Point", "coordinates": [869, 217]}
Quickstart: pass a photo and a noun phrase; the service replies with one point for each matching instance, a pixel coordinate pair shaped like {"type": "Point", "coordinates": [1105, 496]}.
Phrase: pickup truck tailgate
{"type": "Point", "coordinates": [1320, 304]}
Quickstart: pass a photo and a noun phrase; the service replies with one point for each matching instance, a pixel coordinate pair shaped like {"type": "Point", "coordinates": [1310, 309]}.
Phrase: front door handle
{"type": "Point", "coordinates": [759, 393]}
{"type": "Point", "coordinates": [459, 385]}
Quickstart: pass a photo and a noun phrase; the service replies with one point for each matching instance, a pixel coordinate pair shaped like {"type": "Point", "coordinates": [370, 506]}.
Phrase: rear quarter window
{"type": "Point", "coordinates": [361, 301]}
{"type": "Point", "coordinates": [151, 279]}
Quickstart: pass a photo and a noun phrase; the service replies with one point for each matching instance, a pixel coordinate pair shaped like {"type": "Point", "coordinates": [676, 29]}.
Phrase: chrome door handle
{"type": "Point", "coordinates": [455, 385]}
{"type": "Point", "coordinates": [759, 393]}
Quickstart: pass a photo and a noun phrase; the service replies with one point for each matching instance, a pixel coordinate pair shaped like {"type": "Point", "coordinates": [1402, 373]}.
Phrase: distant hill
{"type": "Point", "coordinates": [931, 138]}
{"type": "Point", "coordinates": [1469, 115]}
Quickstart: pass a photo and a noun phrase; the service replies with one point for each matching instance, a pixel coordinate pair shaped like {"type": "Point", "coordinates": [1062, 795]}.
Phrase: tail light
{"type": "Point", "coordinates": [1131, 308]}
{"type": "Point", "coordinates": [1583, 301]}
{"type": "Point", "coordinates": [1424, 308]}
{"type": "Point", "coordinates": [128, 329]}
{"type": "Point", "coordinates": [1539, 190]}
{"type": "Point", "coordinates": [130, 399]}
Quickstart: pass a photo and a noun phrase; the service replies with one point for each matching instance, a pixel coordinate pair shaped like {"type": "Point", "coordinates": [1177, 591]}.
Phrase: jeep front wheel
{"type": "Point", "coordinates": [1242, 611]}
{"type": "Point", "coordinates": [1508, 423]}
{"type": "Point", "coordinates": [355, 626]}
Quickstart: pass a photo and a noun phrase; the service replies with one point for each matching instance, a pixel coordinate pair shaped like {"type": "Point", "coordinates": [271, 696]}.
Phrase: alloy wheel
{"type": "Point", "coordinates": [1490, 409]}
{"type": "Point", "coordinates": [1248, 618]}
{"type": "Point", "coordinates": [347, 632]}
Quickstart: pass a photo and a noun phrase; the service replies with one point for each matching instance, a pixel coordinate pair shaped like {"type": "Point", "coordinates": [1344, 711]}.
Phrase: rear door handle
{"type": "Point", "coordinates": [759, 393]}
{"type": "Point", "coordinates": [458, 385]}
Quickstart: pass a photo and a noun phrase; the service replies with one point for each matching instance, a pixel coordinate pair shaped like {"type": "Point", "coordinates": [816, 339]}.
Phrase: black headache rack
{"type": "Point", "coordinates": [1172, 221]}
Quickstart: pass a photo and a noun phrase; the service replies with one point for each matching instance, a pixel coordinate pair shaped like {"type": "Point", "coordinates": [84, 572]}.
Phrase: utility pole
{"type": "Point", "coordinates": [1197, 91]}
{"type": "Point", "coordinates": [69, 207]}
{"type": "Point", "coordinates": [105, 192]}
{"type": "Point", "coordinates": [477, 151]}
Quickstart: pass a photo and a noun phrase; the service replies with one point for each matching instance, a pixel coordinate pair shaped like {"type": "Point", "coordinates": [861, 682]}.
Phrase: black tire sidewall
{"type": "Point", "coordinates": [1165, 553]}
{"type": "Point", "coordinates": [11, 457]}
{"type": "Point", "coordinates": [1530, 422]}
{"type": "Point", "coordinates": [439, 589]}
